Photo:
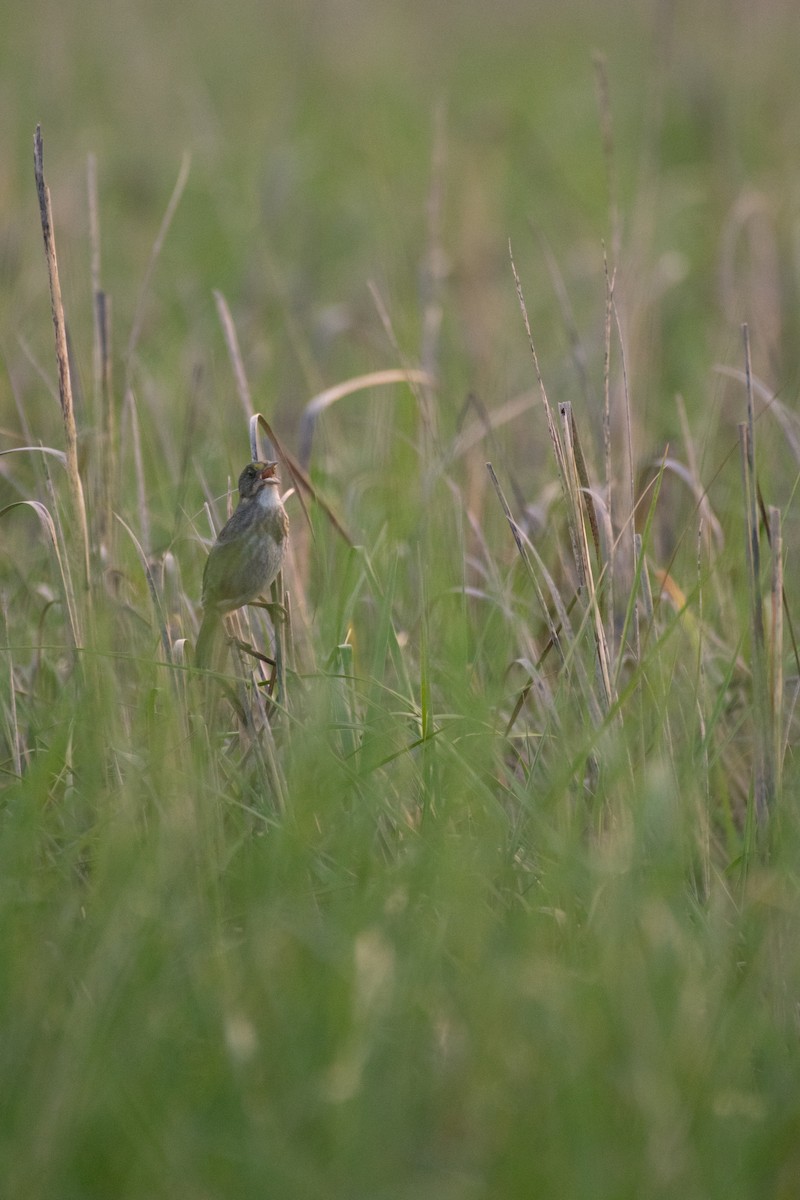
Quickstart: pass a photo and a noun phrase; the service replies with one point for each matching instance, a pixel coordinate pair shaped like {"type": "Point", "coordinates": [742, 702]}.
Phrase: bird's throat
{"type": "Point", "coordinates": [268, 497]}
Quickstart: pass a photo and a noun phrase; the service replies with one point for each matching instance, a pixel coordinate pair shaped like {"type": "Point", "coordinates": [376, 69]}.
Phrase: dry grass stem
{"type": "Point", "coordinates": [62, 357]}
{"type": "Point", "coordinates": [776, 678]}
{"type": "Point", "coordinates": [67, 591]}
{"type": "Point", "coordinates": [558, 449]}
{"type": "Point", "coordinates": [764, 770]}
{"type": "Point", "coordinates": [521, 547]}
{"type": "Point", "coordinates": [578, 504]}
{"type": "Point", "coordinates": [13, 735]}
{"type": "Point", "coordinates": [235, 355]}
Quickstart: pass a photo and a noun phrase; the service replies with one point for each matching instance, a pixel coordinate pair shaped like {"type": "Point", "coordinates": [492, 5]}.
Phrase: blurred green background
{"type": "Point", "coordinates": [311, 131]}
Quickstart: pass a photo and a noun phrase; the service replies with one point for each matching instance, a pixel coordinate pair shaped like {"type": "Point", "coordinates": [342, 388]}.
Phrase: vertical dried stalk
{"type": "Point", "coordinates": [105, 415]}
{"type": "Point", "coordinates": [109, 416]}
{"type": "Point", "coordinates": [609, 482]}
{"type": "Point", "coordinates": [631, 519]}
{"type": "Point", "coordinates": [138, 467]}
{"type": "Point", "coordinates": [776, 646]}
{"type": "Point", "coordinates": [235, 354]}
{"type": "Point", "coordinates": [12, 725]}
{"type": "Point", "coordinates": [64, 381]}
{"type": "Point", "coordinates": [574, 462]}
{"type": "Point", "coordinates": [278, 597]}
{"type": "Point", "coordinates": [640, 571]}
{"type": "Point", "coordinates": [523, 553]}
{"type": "Point", "coordinates": [763, 787]}
{"type": "Point", "coordinates": [764, 780]}
{"type": "Point", "coordinates": [558, 449]}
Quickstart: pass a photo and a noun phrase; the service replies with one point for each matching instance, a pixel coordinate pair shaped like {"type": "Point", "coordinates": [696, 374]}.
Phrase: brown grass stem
{"type": "Point", "coordinates": [234, 354]}
{"type": "Point", "coordinates": [62, 358]}
{"type": "Point", "coordinates": [764, 776]}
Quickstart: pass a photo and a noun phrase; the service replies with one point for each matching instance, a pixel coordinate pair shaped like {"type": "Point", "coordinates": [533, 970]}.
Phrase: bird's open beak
{"type": "Point", "coordinates": [270, 471]}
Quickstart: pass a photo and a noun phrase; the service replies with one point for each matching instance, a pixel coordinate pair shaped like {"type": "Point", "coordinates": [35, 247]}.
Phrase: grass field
{"type": "Point", "coordinates": [498, 894]}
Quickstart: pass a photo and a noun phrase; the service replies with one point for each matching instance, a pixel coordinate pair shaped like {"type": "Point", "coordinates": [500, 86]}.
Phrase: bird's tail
{"type": "Point", "coordinates": [206, 638]}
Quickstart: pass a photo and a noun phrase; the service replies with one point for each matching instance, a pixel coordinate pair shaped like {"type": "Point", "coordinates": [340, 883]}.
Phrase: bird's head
{"type": "Point", "coordinates": [255, 477]}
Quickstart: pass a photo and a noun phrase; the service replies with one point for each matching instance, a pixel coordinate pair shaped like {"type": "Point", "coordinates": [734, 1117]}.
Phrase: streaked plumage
{"type": "Point", "coordinates": [247, 555]}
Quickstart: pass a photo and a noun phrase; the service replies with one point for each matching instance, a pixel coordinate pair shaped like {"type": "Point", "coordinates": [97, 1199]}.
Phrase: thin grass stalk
{"type": "Point", "coordinates": [765, 788]}
{"type": "Point", "coordinates": [523, 553]}
{"type": "Point", "coordinates": [261, 738]}
{"type": "Point", "coordinates": [569, 489]}
{"type": "Point", "coordinates": [701, 692]}
{"type": "Point", "coordinates": [787, 614]}
{"type": "Point", "coordinates": [427, 726]}
{"type": "Point", "coordinates": [612, 558]}
{"type": "Point", "coordinates": [577, 486]}
{"type": "Point", "coordinates": [713, 536]}
{"type": "Point", "coordinates": [13, 732]}
{"type": "Point", "coordinates": [158, 607]}
{"type": "Point", "coordinates": [55, 536]}
{"type": "Point", "coordinates": [556, 628]}
{"type": "Point", "coordinates": [640, 570]}
{"type": "Point", "coordinates": [62, 358]}
{"type": "Point", "coordinates": [138, 466]}
{"type": "Point", "coordinates": [108, 423]}
{"type": "Point", "coordinates": [562, 636]}
{"type": "Point", "coordinates": [345, 717]}
{"type": "Point", "coordinates": [266, 753]}
{"type": "Point", "coordinates": [763, 779]}
{"type": "Point", "coordinates": [552, 427]}
{"type": "Point", "coordinates": [278, 597]}
{"type": "Point", "coordinates": [235, 355]}
{"type": "Point", "coordinates": [776, 645]}
{"type": "Point", "coordinates": [610, 280]}
{"type": "Point", "coordinates": [570, 639]}
{"type": "Point", "coordinates": [645, 589]}
{"type": "Point", "coordinates": [582, 545]}
{"type": "Point", "coordinates": [629, 447]}
{"type": "Point", "coordinates": [289, 640]}
{"type": "Point", "coordinates": [582, 476]}
{"type": "Point", "coordinates": [105, 415]}
{"type": "Point", "coordinates": [561, 633]}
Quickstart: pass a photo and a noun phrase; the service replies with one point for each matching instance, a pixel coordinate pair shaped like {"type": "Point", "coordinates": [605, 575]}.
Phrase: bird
{"type": "Point", "coordinates": [247, 555]}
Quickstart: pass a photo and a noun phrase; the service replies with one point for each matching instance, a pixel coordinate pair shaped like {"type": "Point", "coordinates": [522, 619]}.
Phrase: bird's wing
{"type": "Point", "coordinates": [225, 576]}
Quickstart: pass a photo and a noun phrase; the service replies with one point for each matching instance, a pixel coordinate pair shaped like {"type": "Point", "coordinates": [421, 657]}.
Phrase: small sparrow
{"type": "Point", "coordinates": [247, 555]}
